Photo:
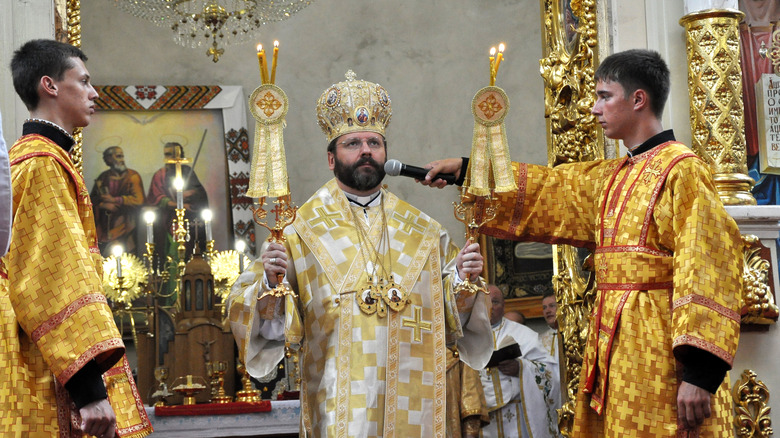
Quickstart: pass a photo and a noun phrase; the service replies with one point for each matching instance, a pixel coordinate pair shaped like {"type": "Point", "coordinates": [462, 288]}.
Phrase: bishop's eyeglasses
{"type": "Point", "coordinates": [354, 144]}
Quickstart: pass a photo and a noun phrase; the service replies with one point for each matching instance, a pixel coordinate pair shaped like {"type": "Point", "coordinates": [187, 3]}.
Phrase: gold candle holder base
{"type": "Point", "coordinates": [222, 399]}
{"type": "Point", "coordinates": [189, 389]}
{"type": "Point", "coordinates": [247, 394]}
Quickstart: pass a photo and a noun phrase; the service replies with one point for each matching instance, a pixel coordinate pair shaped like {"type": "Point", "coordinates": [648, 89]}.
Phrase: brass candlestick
{"type": "Point", "coordinates": [210, 251]}
{"type": "Point", "coordinates": [248, 393]}
{"type": "Point", "coordinates": [284, 213]}
{"type": "Point", "coordinates": [162, 393]}
{"type": "Point", "coordinates": [473, 212]}
{"type": "Point", "coordinates": [181, 234]}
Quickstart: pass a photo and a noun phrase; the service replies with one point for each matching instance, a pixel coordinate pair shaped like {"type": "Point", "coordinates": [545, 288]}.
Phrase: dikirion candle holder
{"type": "Point", "coordinates": [490, 167]}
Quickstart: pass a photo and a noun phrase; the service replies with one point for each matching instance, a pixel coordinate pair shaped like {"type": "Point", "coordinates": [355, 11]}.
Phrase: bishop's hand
{"type": "Point", "coordinates": [274, 260]}
{"type": "Point", "coordinates": [469, 262]}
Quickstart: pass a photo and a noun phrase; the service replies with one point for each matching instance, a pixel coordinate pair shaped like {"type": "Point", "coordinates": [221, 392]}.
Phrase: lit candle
{"type": "Point", "coordinates": [273, 62]}
{"type": "Point", "coordinates": [261, 60]}
{"type": "Point", "coordinates": [178, 184]}
{"type": "Point", "coordinates": [240, 247]}
{"type": "Point", "coordinates": [149, 218]}
{"type": "Point", "coordinates": [499, 57]}
{"type": "Point", "coordinates": [492, 66]}
{"type": "Point", "coordinates": [206, 215]}
{"type": "Point", "coordinates": [117, 251]}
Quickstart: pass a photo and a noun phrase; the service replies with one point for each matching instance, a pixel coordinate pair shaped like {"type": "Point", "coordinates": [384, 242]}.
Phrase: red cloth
{"type": "Point", "coordinates": [214, 409]}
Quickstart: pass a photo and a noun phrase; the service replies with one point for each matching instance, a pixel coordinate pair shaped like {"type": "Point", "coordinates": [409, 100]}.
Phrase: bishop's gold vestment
{"type": "Point", "coordinates": [668, 269]}
{"type": "Point", "coordinates": [53, 313]}
{"type": "Point", "coordinates": [364, 375]}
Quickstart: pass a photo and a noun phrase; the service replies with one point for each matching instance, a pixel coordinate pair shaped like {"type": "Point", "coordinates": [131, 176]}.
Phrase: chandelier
{"type": "Point", "coordinates": [218, 22]}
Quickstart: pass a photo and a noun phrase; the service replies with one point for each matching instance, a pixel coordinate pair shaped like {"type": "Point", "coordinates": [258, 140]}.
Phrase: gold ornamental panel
{"type": "Point", "coordinates": [74, 38]}
{"type": "Point", "coordinates": [569, 47]}
{"type": "Point", "coordinates": [751, 407]}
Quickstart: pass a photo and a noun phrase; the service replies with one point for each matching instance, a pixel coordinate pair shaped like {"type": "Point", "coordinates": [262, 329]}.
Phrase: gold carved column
{"type": "Point", "coordinates": [715, 92]}
{"type": "Point", "coordinates": [73, 8]}
{"type": "Point", "coordinates": [569, 44]}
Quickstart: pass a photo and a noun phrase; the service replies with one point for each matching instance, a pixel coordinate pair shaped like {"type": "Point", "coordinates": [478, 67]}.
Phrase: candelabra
{"type": "Point", "coordinates": [284, 213]}
{"type": "Point", "coordinates": [489, 170]}
{"type": "Point", "coordinates": [473, 212]}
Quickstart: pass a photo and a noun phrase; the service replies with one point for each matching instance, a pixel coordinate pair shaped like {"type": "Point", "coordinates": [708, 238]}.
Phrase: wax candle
{"type": "Point", "coordinates": [273, 62]}
{"type": "Point", "coordinates": [149, 218]}
{"type": "Point", "coordinates": [240, 247]}
{"type": "Point", "coordinates": [207, 215]}
{"type": "Point", "coordinates": [499, 57]}
{"type": "Point", "coordinates": [261, 60]}
{"type": "Point", "coordinates": [492, 66]}
{"type": "Point", "coordinates": [117, 251]}
{"type": "Point", "coordinates": [178, 184]}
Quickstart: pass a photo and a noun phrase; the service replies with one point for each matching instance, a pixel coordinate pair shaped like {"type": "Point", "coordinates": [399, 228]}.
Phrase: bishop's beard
{"type": "Point", "coordinates": [357, 177]}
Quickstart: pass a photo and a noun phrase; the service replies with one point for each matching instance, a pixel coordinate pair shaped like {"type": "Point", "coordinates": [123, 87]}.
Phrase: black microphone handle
{"type": "Point", "coordinates": [419, 173]}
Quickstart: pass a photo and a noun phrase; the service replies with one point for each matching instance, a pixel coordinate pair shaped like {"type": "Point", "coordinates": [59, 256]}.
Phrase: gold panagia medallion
{"type": "Point", "coordinates": [394, 297]}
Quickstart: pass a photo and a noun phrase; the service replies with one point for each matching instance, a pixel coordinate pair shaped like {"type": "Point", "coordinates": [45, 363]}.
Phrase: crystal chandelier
{"type": "Point", "coordinates": [218, 22]}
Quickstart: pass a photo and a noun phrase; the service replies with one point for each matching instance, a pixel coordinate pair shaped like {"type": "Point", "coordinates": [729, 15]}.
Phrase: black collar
{"type": "Point", "coordinates": [364, 205]}
{"type": "Point", "coordinates": [50, 131]}
{"type": "Point", "coordinates": [660, 138]}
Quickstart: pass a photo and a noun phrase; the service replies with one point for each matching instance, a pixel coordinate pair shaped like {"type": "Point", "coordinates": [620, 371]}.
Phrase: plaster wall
{"type": "Point", "coordinates": [432, 58]}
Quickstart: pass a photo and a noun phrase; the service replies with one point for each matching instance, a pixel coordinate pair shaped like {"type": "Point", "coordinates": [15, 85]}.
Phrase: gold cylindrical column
{"type": "Point", "coordinates": [715, 92]}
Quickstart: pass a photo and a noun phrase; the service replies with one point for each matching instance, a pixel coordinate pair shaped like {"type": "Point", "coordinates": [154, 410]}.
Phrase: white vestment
{"type": "Point", "coordinates": [368, 369]}
{"type": "Point", "coordinates": [523, 405]}
{"type": "Point", "coordinates": [551, 343]}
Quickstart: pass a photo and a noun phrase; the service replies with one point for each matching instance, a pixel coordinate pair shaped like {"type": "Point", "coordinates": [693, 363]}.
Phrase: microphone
{"type": "Point", "coordinates": [395, 168]}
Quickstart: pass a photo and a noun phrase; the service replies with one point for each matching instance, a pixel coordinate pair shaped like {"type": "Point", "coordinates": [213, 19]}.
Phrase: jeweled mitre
{"type": "Point", "coordinates": [352, 106]}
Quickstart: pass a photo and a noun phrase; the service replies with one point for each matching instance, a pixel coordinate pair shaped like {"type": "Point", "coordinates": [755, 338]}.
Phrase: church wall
{"type": "Point", "coordinates": [430, 57]}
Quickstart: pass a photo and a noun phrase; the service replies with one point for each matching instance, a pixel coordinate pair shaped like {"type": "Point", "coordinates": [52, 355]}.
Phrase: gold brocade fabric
{"type": "Point", "coordinates": [54, 316]}
{"type": "Point", "coordinates": [668, 269]}
{"type": "Point", "coordinates": [268, 172]}
{"type": "Point", "coordinates": [489, 163]}
{"type": "Point", "coordinates": [363, 375]}
{"type": "Point", "coordinates": [465, 396]}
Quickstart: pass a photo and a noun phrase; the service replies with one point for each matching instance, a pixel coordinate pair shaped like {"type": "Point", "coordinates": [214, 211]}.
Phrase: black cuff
{"type": "Point", "coordinates": [86, 386]}
{"type": "Point", "coordinates": [463, 167]}
{"type": "Point", "coordinates": [704, 369]}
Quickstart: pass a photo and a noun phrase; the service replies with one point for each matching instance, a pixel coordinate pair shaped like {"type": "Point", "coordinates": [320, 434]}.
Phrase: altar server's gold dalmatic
{"type": "Point", "coordinates": [465, 398]}
{"type": "Point", "coordinates": [668, 268]}
{"type": "Point", "coordinates": [54, 315]}
{"type": "Point", "coordinates": [380, 374]}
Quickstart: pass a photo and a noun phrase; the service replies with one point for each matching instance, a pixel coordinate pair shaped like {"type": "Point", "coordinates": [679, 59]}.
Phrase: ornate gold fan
{"type": "Point", "coordinates": [224, 267]}
{"type": "Point", "coordinates": [133, 277]}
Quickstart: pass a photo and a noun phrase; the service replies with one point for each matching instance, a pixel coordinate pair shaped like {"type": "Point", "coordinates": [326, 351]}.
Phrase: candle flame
{"type": "Point", "coordinates": [117, 250]}
{"type": "Point", "coordinates": [492, 51]}
{"type": "Point", "coordinates": [149, 216]}
{"type": "Point", "coordinates": [206, 215]}
{"type": "Point", "coordinates": [259, 47]}
{"type": "Point", "coordinates": [178, 184]}
{"type": "Point", "coordinates": [501, 48]}
{"type": "Point", "coordinates": [240, 245]}
{"type": "Point", "coordinates": [276, 43]}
